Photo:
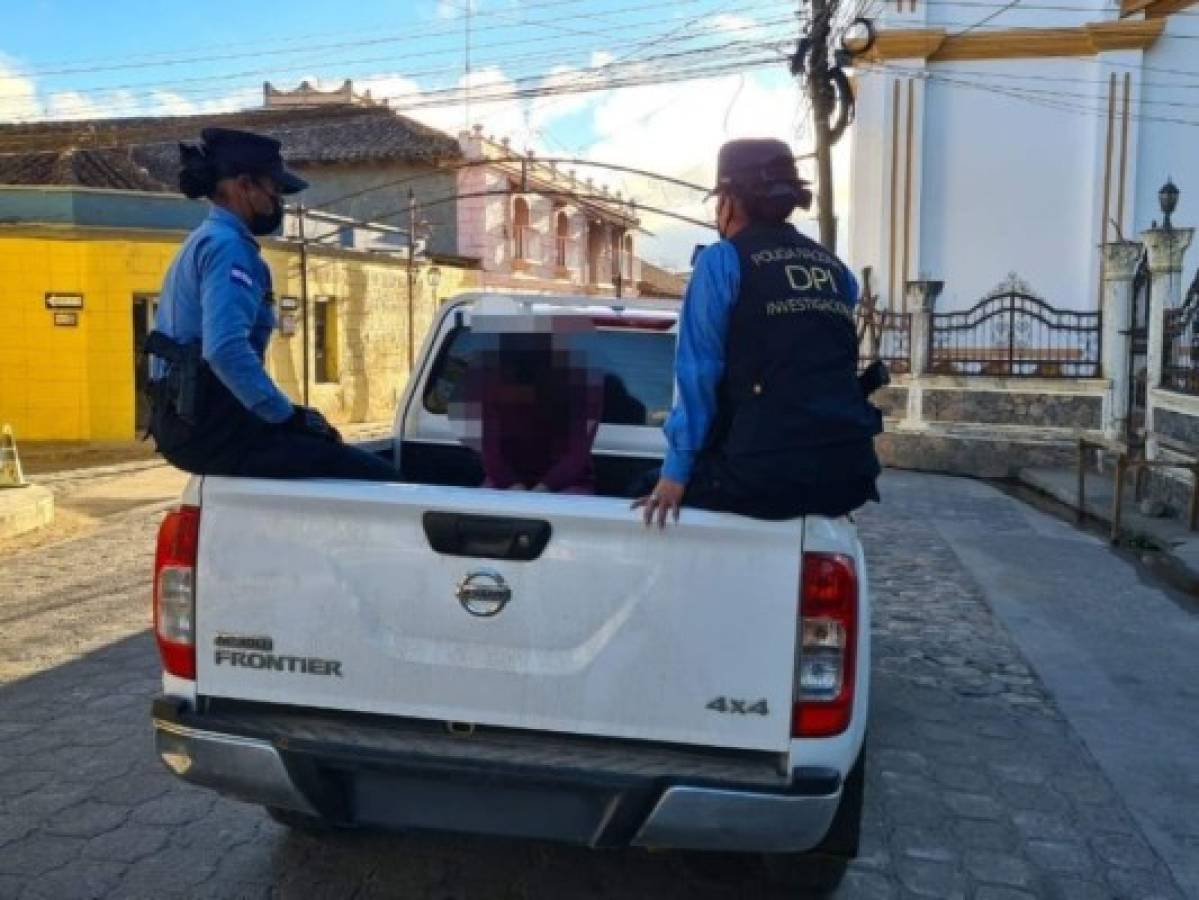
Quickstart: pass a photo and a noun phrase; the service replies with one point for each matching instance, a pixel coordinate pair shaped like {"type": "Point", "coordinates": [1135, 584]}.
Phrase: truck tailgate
{"type": "Point", "coordinates": [330, 595]}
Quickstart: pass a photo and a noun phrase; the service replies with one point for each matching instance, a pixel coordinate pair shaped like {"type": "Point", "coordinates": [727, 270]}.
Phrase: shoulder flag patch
{"type": "Point", "coordinates": [241, 276]}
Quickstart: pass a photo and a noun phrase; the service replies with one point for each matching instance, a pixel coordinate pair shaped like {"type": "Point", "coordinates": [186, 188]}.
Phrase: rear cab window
{"type": "Point", "coordinates": [636, 366]}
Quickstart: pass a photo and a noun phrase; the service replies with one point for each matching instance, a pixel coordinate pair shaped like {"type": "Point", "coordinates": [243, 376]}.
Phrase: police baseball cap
{"type": "Point", "coordinates": [760, 167]}
{"type": "Point", "coordinates": [245, 153]}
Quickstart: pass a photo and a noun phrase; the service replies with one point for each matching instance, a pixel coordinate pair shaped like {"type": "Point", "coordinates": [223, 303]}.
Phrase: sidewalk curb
{"type": "Point", "coordinates": [25, 509]}
{"type": "Point", "coordinates": [1164, 560]}
{"type": "Point", "coordinates": [64, 475]}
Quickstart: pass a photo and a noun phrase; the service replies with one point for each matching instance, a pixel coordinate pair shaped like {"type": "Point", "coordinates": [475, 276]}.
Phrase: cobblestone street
{"type": "Point", "coordinates": [979, 785]}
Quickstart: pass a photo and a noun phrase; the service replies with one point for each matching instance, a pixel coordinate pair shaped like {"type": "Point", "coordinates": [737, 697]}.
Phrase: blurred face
{"type": "Point", "coordinates": [258, 200]}
{"type": "Point", "coordinates": [726, 212]}
{"type": "Point", "coordinates": [266, 201]}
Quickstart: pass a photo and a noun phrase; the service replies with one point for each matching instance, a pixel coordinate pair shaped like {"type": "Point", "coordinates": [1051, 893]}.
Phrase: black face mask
{"type": "Point", "coordinates": [267, 223]}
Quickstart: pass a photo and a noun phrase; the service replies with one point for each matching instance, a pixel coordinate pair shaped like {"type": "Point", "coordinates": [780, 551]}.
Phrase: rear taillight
{"type": "Point", "coordinates": [828, 636]}
{"type": "Point", "coordinates": [175, 591]}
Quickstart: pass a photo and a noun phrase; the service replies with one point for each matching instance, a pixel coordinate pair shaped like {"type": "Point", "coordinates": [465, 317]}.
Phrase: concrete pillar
{"type": "Point", "coordinates": [921, 298]}
{"type": "Point", "coordinates": [1120, 259]}
{"type": "Point", "coordinates": [1166, 249]}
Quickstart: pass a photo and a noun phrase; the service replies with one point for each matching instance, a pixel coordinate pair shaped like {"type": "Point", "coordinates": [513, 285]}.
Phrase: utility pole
{"type": "Point", "coordinates": [303, 293]}
{"type": "Point", "coordinates": [820, 91]}
{"type": "Point", "coordinates": [411, 280]}
{"type": "Point", "coordinates": [470, 9]}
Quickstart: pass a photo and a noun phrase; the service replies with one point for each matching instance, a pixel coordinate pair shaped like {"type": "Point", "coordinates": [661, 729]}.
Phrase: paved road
{"type": "Point", "coordinates": [982, 783]}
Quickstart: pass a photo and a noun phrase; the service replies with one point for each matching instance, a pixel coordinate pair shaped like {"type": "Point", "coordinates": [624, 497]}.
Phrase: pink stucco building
{"type": "Point", "coordinates": [537, 226]}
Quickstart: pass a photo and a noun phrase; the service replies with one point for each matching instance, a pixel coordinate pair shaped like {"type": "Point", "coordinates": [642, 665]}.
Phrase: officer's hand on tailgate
{"type": "Point", "coordinates": [665, 500]}
{"type": "Point", "coordinates": [306, 420]}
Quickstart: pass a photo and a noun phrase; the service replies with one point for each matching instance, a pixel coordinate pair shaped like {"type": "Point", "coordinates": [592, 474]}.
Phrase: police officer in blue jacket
{"type": "Point", "coordinates": [771, 420]}
{"type": "Point", "coordinates": [214, 408]}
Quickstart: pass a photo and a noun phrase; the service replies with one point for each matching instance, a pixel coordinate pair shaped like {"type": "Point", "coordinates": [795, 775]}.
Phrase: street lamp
{"type": "Point", "coordinates": [434, 278]}
{"type": "Point", "coordinates": [1168, 198]}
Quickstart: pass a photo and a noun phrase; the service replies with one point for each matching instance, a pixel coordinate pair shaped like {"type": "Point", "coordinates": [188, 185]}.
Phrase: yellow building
{"type": "Point", "coordinates": [77, 297]}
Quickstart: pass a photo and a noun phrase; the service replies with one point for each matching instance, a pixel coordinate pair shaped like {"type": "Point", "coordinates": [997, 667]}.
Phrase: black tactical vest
{"type": "Point", "coordinates": [790, 382]}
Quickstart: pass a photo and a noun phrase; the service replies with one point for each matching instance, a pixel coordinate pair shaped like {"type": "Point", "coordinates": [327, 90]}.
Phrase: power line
{"type": "Point", "coordinates": [682, 66]}
{"type": "Point", "coordinates": [669, 66]}
{"type": "Point", "coordinates": [700, 68]}
{"type": "Point", "coordinates": [1062, 101]}
{"type": "Point", "coordinates": [175, 88]}
{"type": "Point", "coordinates": [513, 160]}
{"type": "Point", "coordinates": [1012, 4]}
{"type": "Point", "coordinates": [1135, 67]}
{"type": "Point", "coordinates": [1056, 79]}
{"type": "Point", "coordinates": [432, 52]}
{"type": "Point", "coordinates": [431, 31]}
{"type": "Point", "coordinates": [40, 127]}
{"type": "Point", "coordinates": [670, 35]}
{"type": "Point", "coordinates": [1038, 7]}
{"type": "Point", "coordinates": [379, 218]}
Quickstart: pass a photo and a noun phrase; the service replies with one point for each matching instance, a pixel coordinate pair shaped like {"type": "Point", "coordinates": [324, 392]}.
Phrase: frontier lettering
{"type": "Point", "coordinates": [305, 665]}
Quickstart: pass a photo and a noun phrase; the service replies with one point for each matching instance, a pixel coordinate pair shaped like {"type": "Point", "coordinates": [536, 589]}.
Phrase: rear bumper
{"type": "Point", "coordinates": [637, 806]}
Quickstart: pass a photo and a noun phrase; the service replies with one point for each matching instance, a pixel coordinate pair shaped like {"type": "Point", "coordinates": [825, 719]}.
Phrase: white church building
{"type": "Point", "coordinates": [993, 139]}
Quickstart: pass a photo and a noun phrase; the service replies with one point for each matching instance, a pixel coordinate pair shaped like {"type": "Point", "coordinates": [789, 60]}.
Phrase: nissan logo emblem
{"type": "Point", "coordinates": [484, 593]}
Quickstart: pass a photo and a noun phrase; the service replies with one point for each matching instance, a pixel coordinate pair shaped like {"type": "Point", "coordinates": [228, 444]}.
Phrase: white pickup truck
{"type": "Point", "coordinates": [430, 654]}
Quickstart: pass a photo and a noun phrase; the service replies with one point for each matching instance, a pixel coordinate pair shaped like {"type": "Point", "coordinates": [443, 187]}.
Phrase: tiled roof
{"type": "Point", "coordinates": [328, 134]}
{"type": "Point", "coordinates": [78, 168]}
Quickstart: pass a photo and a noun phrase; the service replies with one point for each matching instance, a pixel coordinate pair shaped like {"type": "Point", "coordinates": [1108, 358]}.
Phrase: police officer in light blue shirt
{"type": "Point", "coordinates": [771, 420]}
{"type": "Point", "coordinates": [214, 408]}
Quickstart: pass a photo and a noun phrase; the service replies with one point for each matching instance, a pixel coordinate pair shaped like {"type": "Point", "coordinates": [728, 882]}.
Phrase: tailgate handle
{"type": "Point", "coordinates": [489, 537]}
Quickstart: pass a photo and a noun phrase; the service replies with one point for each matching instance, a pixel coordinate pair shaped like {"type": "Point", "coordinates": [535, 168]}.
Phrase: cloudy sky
{"type": "Point", "coordinates": [703, 71]}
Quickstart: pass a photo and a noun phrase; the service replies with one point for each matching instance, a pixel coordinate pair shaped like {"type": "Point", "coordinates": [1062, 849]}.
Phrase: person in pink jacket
{"type": "Point", "coordinates": [540, 413]}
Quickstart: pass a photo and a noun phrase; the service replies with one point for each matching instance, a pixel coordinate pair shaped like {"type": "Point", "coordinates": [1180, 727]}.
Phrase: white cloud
{"type": "Point", "coordinates": [18, 94]}
{"type": "Point", "coordinates": [503, 118]}
{"type": "Point", "coordinates": [677, 129]}
{"type": "Point", "coordinates": [453, 9]}
{"type": "Point", "coordinates": [732, 23]}
{"type": "Point", "coordinates": [77, 105]}
{"type": "Point", "coordinates": [171, 104]}
{"type": "Point", "coordinates": [243, 99]}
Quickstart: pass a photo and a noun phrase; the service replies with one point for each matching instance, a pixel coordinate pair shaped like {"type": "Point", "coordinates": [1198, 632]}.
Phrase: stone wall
{"type": "Point", "coordinates": [979, 455]}
{"type": "Point", "coordinates": [1037, 410]}
{"type": "Point", "coordinates": [371, 328]}
{"type": "Point", "coordinates": [1177, 427]}
{"type": "Point", "coordinates": [1172, 487]}
{"type": "Point", "coordinates": [986, 427]}
{"type": "Point", "coordinates": [1173, 435]}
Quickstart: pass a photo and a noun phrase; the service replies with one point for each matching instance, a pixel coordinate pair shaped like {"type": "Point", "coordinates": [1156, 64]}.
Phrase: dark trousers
{"type": "Point", "coordinates": [232, 441]}
{"type": "Point", "coordinates": [766, 487]}
{"type": "Point", "coordinates": [720, 487]}
{"type": "Point", "coordinates": [283, 455]}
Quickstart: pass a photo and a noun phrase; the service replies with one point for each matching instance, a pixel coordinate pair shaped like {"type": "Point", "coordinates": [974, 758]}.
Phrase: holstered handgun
{"type": "Point", "coordinates": [874, 376]}
{"type": "Point", "coordinates": [182, 386]}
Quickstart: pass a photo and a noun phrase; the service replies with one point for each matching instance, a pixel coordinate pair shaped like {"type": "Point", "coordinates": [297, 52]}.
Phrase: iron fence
{"type": "Point", "coordinates": [1180, 362]}
{"type": "Point", "coordinates": [1013, 332]}
{"type": "Point", "coordinates": [885, 335]}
